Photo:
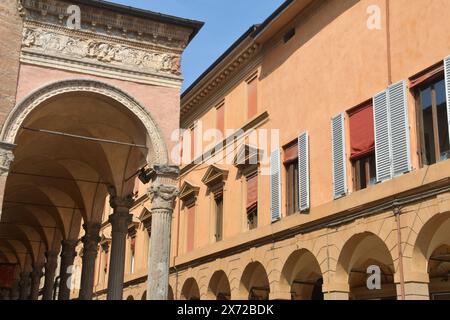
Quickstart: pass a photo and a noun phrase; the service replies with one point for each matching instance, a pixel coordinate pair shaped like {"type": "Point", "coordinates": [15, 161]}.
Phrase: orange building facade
{"type": "Point", "coordinates": [313, 162]}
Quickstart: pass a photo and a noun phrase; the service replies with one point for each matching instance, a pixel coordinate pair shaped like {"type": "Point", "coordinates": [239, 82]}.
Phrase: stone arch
{"type": "Point", "coordinates": [254, 283]}
{"type": "Point", "coordinates": [170, 295]}
{"type": "Point", "coordinates": [219, 287]}
{"type": "Point", "coordinates": [144, 295]}
{"type": "Point", "coordinates": [431, 255]}
{"type": "Point", "coordinates": [17, 116]}
{"type": "Point", "coordinates": [130, 297]}
{"type": "Point", "coordinates": [302, 276]}
{"type": "Point", "coordinates": [358, 253]}
{"type": "Point", "coordinates": [190, 290]}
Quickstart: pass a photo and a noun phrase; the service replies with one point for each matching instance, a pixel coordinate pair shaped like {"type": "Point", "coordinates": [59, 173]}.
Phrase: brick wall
{"type": "Point", "coordinates": [10, 35]}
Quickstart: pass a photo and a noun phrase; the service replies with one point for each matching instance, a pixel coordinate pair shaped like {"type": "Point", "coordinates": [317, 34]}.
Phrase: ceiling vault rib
{"type": "Point", "coordinates": [92, 139]}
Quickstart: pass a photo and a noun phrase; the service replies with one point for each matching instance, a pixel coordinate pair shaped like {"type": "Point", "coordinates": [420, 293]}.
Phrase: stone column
{"type": "Point", "coordinates": [50, 269]}
{"type": "Point", "coordinates": [162, 193]}
{"type": "Point", "coordinates": [36, 276]}
{"type": "Point", "coordinates": [120, 220]}
{"type": "Point", "coordinates": [68, 254]}
{"type": "Point", "coordinates": [90, 246]}
{"type": "Point", "coordinates": [15, 290]}
{"type": "Point", "coordinates": [24, 284]}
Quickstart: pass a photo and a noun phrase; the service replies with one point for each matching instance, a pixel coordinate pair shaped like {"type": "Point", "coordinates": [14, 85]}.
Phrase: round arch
{"type": "Point", "coordinates": [359, 256]}
{"type": "Point", "coordinates": [190, 290]}
{"type": "Point", "coordinates": [254, 283]}
{"type": "Point", "coordinates": [431, 255]}
{"type": "Point", "coordinates": [20, 112]}
{"type": "Point", "coordinates": [302, 276]}
{"type": "Point", "coordinates": [219, 286]}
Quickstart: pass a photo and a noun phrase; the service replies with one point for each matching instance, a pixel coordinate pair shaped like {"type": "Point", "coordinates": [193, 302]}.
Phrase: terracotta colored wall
{"type": "Point", "coordinates": [332, 64]}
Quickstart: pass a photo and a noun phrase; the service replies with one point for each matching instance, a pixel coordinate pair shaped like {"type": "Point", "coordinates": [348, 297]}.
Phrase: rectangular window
{"type": "Point", "coordinates": [132, 253]}
{"type": "Point", "coordinates": [291, 166]}
{"type": "Point", "coordinates": [218, 203]}
{"type": "Point", "coordinates": [193, 143]}
{"type": "Point", "coordinates": [220, 119]}
{"type": "Point", "coordinates": [362, 144]}
{"type": "Point", "coordinates": [433, 123]}
{"type": "Point", "coordinates": [252, 94]}
{"type": "Point", "coordinates": [252, 200]}
{"type": "Point", "coordinates": [190, 228]}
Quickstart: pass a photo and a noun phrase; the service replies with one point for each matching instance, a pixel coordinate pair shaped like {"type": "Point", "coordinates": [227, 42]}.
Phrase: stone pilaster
{"type": "Point", "coordinates": [90, 247]}
{"type": "Point", "coordinates": [68, 254]}
{"type": "Point", "coordinates": [162, 194]}
{"type": "Point", "coordinates": [50, 269]}
{"type": "Point", "coordinates": [120, 220]}
{"type": "Point", "coordinates": [24, 284]}
{"type": "Point", "coordinates": [36, 276]}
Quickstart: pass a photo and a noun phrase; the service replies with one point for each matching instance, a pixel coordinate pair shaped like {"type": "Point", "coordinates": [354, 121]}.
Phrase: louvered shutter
{"type": "Point", "coordinates": [275, 185]}
{"type": "Point", "coordinates": [399, 126]}
{"type": "Point", "coordinates": [382, 137]}
{"type": "Point", "coordinates": [447, 88]}
{"type": "Point", "coordinates": [338, 153]}
{"type": "Point", "coordinates": [303, 171]}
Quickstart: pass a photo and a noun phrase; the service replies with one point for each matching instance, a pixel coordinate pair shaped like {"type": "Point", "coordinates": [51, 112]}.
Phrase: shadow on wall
{"type": "Point", "coordinates": [322, 12]}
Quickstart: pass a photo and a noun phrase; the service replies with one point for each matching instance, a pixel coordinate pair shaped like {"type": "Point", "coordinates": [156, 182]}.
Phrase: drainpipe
{"type": "Point", "coordinates": [397, 213]}
{"type": "Point", "coordinates": [388, 42]}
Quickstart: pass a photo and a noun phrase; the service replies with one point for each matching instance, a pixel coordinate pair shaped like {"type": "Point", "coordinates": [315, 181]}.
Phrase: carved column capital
{"type": "Point", "coordinates": [37, 272]}
{"type": "Point", "coordinates": [6, 157]}
{"type": "Point", "coordinates": [120, 204]}
{"type": "Point", "coordinates": [164, 191]}
{"type": "Point", "coordinates": [68, 249]}
{"type": "Point", "coordinates": [52, 259]}
{"type": "Point", "coordinates": [91, 238]}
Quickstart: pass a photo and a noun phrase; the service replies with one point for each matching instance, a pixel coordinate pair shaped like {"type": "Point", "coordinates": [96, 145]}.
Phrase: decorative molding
{"type": "Point", "coordinates": [247, 156]}
{"type": "Point", "coordinates": [108, 44]}
{"type": "Point", "coordinates": [108, 22]}
{"type": "Point", "coordinates": [26, 106]}
{"type": "Point", "coordinates": [197, 95]}
{"type": "Point", "coordinates": [98, 51]}
{"type": "Point", "coordinates": [189, 192]}
{"type": "Point", "coordinates": [214, 175]}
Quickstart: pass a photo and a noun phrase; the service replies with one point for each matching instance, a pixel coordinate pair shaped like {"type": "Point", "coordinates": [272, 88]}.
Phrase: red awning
{"type": "Point", "coordinates": [362, 139]}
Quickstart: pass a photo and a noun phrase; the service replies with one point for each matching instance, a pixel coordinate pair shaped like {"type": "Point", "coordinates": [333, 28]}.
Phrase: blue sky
{"type": "Point", "coordinates": [225, 21]}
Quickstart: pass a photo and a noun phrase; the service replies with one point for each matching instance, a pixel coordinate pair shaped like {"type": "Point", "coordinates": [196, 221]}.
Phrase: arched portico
{"type": "Point", "coordinates": [74, 142]}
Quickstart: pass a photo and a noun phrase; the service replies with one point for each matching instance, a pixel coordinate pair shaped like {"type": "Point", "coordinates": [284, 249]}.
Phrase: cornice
{"type": "Point", "coordinates": [231, 66]}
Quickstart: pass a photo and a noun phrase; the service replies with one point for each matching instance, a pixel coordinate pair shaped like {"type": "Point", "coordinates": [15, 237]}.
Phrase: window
{"type": "Point", "coordinates": [190, 234]}
{"type": "Point", "coordinates": [433, 123]}
{"type": "Point", "coordinates": [252, 96]}
{"type": "Point", "coordinates": [291, 166]}
{"type": "Point", "coordinates": [218, 204]}
{"type": "Point", "coordinates": [220, 119]}
{"type": "Point", "coordinates": [362, 144]}
{"type": "Point", "coordinates": [252, 200]}
{"type": "Point", "coordinates": [132, 253]}
{"type": "Point", "coordinates": [193, 143]}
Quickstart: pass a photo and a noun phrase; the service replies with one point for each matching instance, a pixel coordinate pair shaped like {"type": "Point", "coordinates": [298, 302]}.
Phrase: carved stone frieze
{"type": "Point", "coordinates": [53, 43]}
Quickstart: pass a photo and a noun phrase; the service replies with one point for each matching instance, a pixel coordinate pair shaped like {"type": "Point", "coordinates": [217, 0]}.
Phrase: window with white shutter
{"type": "Point", "coordinates": [392, 144]}
{"type": "Point", "coordinates": [399, 125]}
{"type": "Point", "coordinates": [339, 158]}
{"type": "Point", "coordinates": [382, 137]}
{"type": "Point", "coordinates": [447, 89]}
{"type": "Point", "coordinates": [275, 185]}
{"type": "Point", "coordinates": [303, 171]}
